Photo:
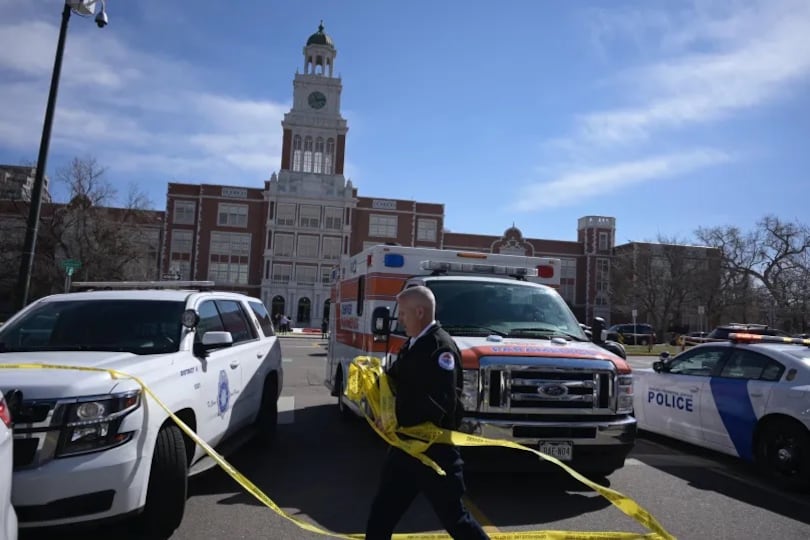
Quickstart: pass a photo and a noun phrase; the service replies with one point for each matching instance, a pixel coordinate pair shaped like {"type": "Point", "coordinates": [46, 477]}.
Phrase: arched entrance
{"type": "Point", "coordinates": [326, 305]}
{"type": "Point", "coordinates": [277, 306]}
{"type": "Point", "coordinates": [304, 310]}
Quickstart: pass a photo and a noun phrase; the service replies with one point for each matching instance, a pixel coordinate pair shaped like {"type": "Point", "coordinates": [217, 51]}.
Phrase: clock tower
{"type": "Point", "coordinates": [310, 202]}
{"type": "Point", "coordinates": [314, 131]}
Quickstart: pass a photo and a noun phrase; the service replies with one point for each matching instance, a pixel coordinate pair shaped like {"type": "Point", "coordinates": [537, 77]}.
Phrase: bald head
{"type": "Point", "coordinates": [417, 308]}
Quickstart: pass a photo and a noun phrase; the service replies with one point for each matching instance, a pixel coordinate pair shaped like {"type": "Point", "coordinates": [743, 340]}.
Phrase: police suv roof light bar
{"type": "Point", "coordinates": [134, 285]}
{"type": "Point", "coordinates": [741, 337]}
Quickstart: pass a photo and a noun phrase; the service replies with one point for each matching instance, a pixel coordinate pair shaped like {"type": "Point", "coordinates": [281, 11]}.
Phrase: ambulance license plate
{"type": "Point", "coordinates": [562, 450]}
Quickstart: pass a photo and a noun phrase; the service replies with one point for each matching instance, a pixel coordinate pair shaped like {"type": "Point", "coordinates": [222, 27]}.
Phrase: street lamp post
{"type": "Point", "coordinates": [32, 228]}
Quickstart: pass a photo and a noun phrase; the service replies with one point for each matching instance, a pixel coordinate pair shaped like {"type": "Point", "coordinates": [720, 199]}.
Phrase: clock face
{"type": "Point", "coordinates": [317, 100]}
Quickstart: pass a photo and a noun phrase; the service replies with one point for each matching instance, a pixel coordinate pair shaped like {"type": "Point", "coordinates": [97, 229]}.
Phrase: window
{"type": "Point", "coordinates": [743, 364]}
{"type": "Point", "coordinates": [183, 268]}
{"type": "Point", "coordinates": [701, 362]}
{"type": "Point", "coordinates": [310, 216]}
{"type": "Point", "coordinates": [285, 215]}
{"type": "Point", "coordinates": [331, 248]}
{"type": "Point", "coordinates": [318, 165]}
{"type": "Point", "coordinates": [382, 226]}
{"type": "Point", "coordinates": [264, 318]}
{"type": "Point", "coordinates": [308, 246]}
{"type": "Point", "coordinates": [426, 230]}
{"type": "Point", "coordinates": [308, 154]}
{"type": "Point", "coordinates": [235, 321]}
{"type": "Point", "coordinates": [232, 215]}
{"type": "Point", "coordinates": [602, 275]}
{"type": "Point", "coordinates": [568, 268]}
{"type": "Point", "coordinates": [328, 159]}
{"type": "Point", "coordinates": [326, 275]}
{"type": "Point", "coordinates": [333, 218]}
{"type": "Point", "coordinates": [361, 294]}
{"type": "Point", "coordinates": [282, 273]}
{"type": "Point", "coordinates": [181, 241]}
{"type": "Point", "coordinates": [296, 153]}
{"type": "Point", "coordinates": [266, 269]}
{"type": "Point", "coordinates": [225, 243]}
{"type": "Point", "coordinates": [604, 241]}
{"type": "Point", "coordinates": [305, 274]}
{"type": "Point", "coordinates": [283, 245]}
{"type": "Point", "coordinates": [228, 272]}
{"type": "Point", "coordinates": [230, 257]}
{"type": "Point", "coordinates": [184, 212]}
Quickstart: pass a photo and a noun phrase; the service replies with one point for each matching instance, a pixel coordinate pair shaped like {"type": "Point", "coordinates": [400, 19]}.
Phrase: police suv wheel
{"type": "Point", "coordinates": [168, 485]}
{"type": "Point", "coordinates": [267, 419]}
{"type": "Point", "coordinates": [783, 453]}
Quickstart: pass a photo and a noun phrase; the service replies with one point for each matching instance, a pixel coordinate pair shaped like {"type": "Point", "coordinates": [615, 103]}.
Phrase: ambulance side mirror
{"type": "Point", "coordinates": [598, 334]}
{"type": "Point", "coordinates": [381, 321]}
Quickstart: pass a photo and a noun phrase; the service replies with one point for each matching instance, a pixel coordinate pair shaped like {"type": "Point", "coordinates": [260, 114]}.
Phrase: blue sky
{"type": "Point", "coordinates": [666, 115]}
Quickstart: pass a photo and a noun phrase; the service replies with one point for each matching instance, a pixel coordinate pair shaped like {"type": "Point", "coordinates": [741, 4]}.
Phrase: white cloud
{"type": "Point", "coordinates": [573, 186]}
{"type": "Point", "coordinates": [134, 110]}
{"type": "Point", "coordinates": [748, 58]}
{"type": "Point", "coordinates": [698, 65]}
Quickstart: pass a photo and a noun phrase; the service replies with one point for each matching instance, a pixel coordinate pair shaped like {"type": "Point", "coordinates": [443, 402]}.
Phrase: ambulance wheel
{"type": "Point", "coordinates": [168, 485]}
{"type": "Point", "coordinates": [342, 408]}
{"type": "Point", "coordinates": [267, 419]}
{"type": "Point", "coordinates": [783, 452]}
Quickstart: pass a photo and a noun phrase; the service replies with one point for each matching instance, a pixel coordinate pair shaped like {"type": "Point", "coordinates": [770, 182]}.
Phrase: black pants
{"type": "Point", "coordinates": [404, 477]}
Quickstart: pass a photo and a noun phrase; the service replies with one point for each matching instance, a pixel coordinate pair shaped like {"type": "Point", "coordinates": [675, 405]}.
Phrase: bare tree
{"type": "Point", "coordinates": [773, 256]}
{"type": "Point", "coordinates": [111, 242]}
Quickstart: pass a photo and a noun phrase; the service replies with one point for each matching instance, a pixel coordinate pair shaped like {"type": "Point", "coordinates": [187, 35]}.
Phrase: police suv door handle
{"type": "Point", "coordinates": [259, 354]}
{"type": "Point", "coordinates": [756, 394]}
{"type": "Point", "coordinates": [694, 389]}
{"type": "Point", "coordinates": [234, 364]}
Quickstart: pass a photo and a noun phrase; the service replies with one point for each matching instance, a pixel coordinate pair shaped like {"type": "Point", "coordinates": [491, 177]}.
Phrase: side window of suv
{"type": "Point", "coordinates": [210, 320]}
{"type": "Point", "coordinates": [235, 321]}
{"type": "Point", "coordinates": [264, 318]}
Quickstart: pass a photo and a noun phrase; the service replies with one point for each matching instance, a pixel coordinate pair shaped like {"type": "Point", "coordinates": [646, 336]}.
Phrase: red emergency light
{"type": "Point", "coordinates": [545, 271]}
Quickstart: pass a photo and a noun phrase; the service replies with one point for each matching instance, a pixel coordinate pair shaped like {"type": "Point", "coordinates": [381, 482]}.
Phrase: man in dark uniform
{"type": "Point", "coordinates": [425, 379]}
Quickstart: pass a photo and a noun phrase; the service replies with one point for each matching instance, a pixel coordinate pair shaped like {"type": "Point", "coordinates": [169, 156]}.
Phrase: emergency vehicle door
{"type": "Point", "coordinates": [738, 397]}
{"type": "Point", "coordinates": [676, 403]}
{"type": "Point", "coordinates": [396, 338]}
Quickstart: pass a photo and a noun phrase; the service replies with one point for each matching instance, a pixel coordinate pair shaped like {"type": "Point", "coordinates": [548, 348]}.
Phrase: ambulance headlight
{"type": "Point", "coordinates": [472, 389]}
{"type": "Point", "coordinates": [92, 424]}
{"type": "Point", "coordinates": [624, 392]}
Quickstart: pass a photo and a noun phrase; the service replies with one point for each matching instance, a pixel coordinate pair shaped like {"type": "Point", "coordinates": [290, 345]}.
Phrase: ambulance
{"type": "Point", "coordinates": [531, 373]}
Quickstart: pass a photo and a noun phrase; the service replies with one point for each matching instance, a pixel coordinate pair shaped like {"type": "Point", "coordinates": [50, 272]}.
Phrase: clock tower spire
{"type": "Point", "coordinates": [314, 131]}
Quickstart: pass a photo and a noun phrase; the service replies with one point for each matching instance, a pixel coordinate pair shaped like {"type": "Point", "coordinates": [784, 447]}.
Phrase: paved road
{"type": "Point", "coordinates": [324, 470]}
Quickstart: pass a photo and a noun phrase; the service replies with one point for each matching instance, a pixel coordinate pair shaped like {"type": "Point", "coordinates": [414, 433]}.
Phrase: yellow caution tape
{"type": "Point", "coordinates": [364, 375]}
{"type": "Point", "coordinates": [365, 384]}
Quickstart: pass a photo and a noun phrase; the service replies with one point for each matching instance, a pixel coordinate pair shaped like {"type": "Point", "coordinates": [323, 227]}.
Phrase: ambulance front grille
{"type": "Point", "coordinates": [540, 389]}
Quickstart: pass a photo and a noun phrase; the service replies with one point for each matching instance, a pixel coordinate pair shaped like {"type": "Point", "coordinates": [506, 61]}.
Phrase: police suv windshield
{"type": "Point", "coordinates": [136, 326]}
{"type": "Point", "coordinates": [473, 308]}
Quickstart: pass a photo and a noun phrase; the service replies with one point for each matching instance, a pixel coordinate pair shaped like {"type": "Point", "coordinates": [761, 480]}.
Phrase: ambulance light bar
{"type": "Point", "coordinates": [756, 338]}
{"type": "Point", "coordinates": [118, 285]}
{"type": "Point", "coordinates": [476, 268]}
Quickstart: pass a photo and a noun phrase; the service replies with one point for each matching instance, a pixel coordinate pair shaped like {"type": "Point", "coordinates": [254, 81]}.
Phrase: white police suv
{"type": "Point", "coordinates": [747, 397]}
{"type": "Point", "coordinates": [88, 446]}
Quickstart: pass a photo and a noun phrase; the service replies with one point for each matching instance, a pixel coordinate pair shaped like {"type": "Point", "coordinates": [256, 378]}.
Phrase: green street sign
{"type": "Point", "coordinates": [71, 263]}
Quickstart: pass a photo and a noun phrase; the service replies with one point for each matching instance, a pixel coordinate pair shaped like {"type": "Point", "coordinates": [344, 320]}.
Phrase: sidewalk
{"type": "Point", "coordinates": [301, 333]}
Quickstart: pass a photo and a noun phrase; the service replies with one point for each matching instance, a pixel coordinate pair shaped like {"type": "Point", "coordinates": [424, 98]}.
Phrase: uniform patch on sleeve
{"type": "Point", "coordinates": [447, 361]}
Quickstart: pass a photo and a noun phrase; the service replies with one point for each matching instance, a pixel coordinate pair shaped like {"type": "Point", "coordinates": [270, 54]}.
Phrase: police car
{"type": "Point", "coordinates": [88, 446]}
{"type": "Point", "coordinates": [748, 397]}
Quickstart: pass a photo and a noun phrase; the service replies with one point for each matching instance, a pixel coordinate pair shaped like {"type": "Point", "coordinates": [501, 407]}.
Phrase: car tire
{"type": "Point", "coordinates": [267, 420]}
{"type": "Point", "coordinates": [344, 411]}
{"type": "Point", "coordinates": [168, 485]}
{"type": "Point", "coordinates": [782, 453]}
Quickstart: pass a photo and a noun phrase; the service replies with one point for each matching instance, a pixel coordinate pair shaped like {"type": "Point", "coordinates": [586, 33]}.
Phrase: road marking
{"type": "Point", "coordinates": [286, 409]}
{"type": "Point", "coordinates": [480, 517]}
{"type": "Point", "coordinates": [287, 360]}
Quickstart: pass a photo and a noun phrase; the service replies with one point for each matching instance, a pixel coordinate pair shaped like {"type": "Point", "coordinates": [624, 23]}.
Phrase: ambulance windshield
{"type": "Point", "coordinates": [516, 309]}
